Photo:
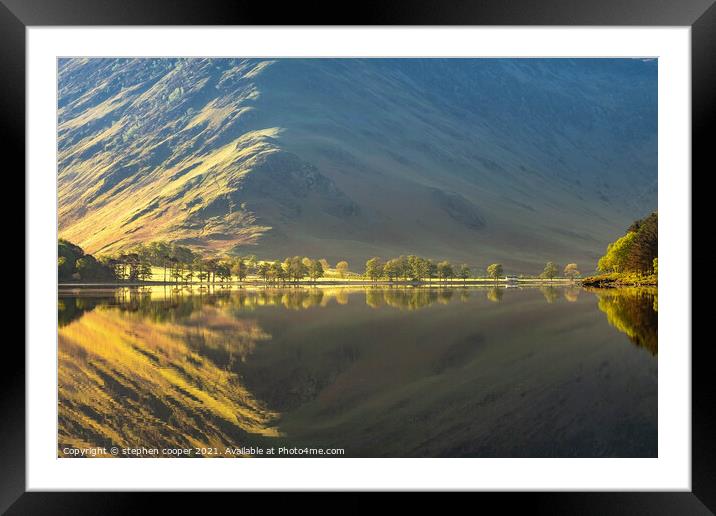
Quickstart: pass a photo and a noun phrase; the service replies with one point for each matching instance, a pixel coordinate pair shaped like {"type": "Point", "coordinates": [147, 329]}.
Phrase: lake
{"type": "Point", "coordinates": [370, 372]}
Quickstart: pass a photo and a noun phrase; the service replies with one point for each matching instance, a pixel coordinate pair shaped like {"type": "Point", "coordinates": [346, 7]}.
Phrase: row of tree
{"type": "Point", "coordinates": [413, 268]}
{"type": "Point", "coordinates": [416, 268]}
{"type": "Point", "coordinates": [551, 270]}
{"type": "Point", "coordinates": [291, 270]}
{"type": "Point", "coordinates": [180, 264]}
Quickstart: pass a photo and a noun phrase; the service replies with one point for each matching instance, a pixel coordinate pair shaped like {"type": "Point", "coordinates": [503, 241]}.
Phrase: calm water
{"type": "Point", "coordinates": [475, 372]}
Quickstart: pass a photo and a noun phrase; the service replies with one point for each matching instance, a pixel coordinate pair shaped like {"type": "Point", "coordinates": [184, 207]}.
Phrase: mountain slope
{"type": "Point", "coordinates": [517, 161]}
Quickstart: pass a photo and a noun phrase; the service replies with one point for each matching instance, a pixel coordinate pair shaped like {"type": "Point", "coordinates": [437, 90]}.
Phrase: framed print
{"type": "Point", "coordinates": [271, 251]}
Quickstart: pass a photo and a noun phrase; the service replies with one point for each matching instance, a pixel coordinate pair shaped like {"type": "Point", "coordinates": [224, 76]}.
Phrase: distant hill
{"type": "Point", "coordinates": [518, 161]}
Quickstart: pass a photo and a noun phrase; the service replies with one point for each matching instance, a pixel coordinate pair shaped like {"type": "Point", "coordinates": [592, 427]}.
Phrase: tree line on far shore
{"type": "Point", "coordinates": [417, 269]}
{"type": "Point", "coordinates": [181, 265]}
{"type": "Point", "coordinates": [634, 254]}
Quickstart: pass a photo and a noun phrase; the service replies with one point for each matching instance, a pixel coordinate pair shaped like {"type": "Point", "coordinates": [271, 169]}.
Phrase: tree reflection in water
{"type": "Point", "coordinates": [494, 294]}
{"type": "Point", "coordinates": [167, 304]}
{"type": "Point", "coordinates": [550, 293]}
{"type": "Point", "coordinates": [183, 367]}
{"type": "Point", "coordinates": [633, 311]}
{"type": "Point", "coordinates": [571, 294]}
{"type": "Point", "coordinates": [409, 298]}
{"type": "Point", "coordinates": [142, 371]}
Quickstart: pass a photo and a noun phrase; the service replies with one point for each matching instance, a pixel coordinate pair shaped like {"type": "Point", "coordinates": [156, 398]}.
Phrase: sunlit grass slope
{"type": "Point", "coordinates": [515, 161]}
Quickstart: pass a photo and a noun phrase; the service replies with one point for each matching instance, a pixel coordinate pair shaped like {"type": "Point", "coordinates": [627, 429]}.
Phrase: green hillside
{"type": "Point", "coordinates": [475, 161]}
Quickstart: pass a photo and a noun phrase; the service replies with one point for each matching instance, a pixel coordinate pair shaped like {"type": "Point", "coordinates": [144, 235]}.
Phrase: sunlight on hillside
{"type": "Point", "coordinates": [116, 366]}
{"type": "Point", "coordinates": [373, 156]}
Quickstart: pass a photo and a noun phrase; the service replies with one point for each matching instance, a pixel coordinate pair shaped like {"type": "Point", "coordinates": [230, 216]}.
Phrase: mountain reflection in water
{"type": "Point", "coordinates": [402, 371]}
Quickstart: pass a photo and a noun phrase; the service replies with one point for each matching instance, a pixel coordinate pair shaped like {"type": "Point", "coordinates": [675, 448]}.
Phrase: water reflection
{"type": "Point", "coordinates": [571, 293]}
{"type": "Point", "coordinates": [162, 303]}
{"type": "Point", "coordinates": [494, 294]}
{"type": "Point", "coordinates": [550, 293]}
{"type": "Point", "coordinates": [409, 298]}
{"type": "Point", "coordinates": [634, 312]}
{"type": "Point", "coordinates": [132, 373]}
{"type": "Point", "coordinates": [378, 371]}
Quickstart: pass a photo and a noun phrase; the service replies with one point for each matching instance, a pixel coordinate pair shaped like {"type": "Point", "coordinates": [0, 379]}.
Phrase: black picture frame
{"type": "Point", "coordinates": [700, 15]}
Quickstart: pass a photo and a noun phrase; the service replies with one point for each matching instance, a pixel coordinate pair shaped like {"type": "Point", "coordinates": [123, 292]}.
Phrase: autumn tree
{"type": "Point", "coordinates": [571, 271]}
{"type": "Point", "coordinates": [617, 255]}
{"type": "Point", "coordinates": [494, 271]}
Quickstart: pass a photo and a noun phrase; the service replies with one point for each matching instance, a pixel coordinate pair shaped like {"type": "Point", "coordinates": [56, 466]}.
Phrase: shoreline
{"type": "Point", "coordinates": [336, 283]}
{"type": "Point", "coordinates": [619, 280]}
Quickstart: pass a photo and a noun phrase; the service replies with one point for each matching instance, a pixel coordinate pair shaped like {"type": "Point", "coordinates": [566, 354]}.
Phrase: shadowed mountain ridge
{"type": "Point", "coordinates": [511, 160]}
